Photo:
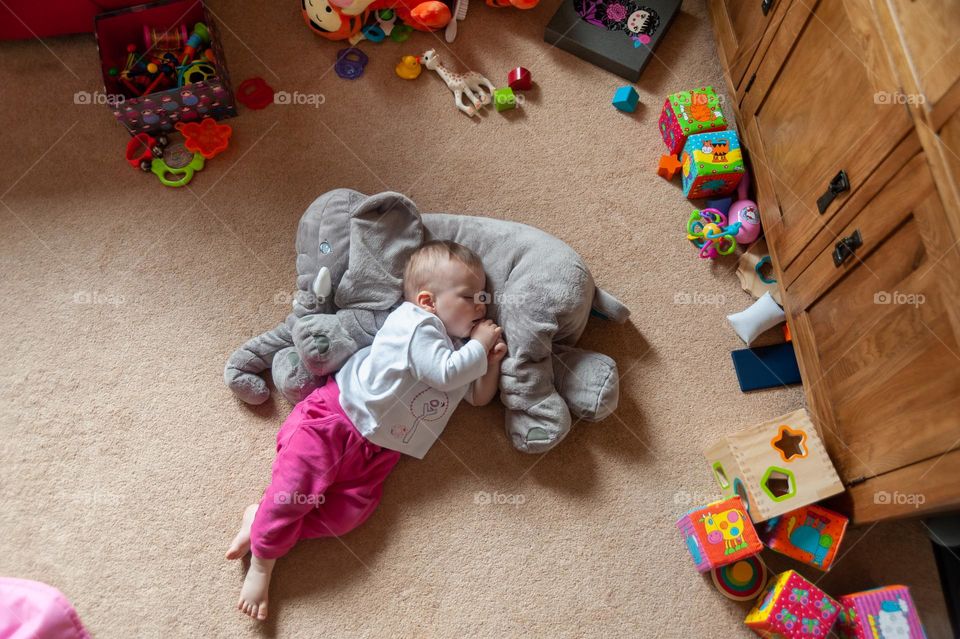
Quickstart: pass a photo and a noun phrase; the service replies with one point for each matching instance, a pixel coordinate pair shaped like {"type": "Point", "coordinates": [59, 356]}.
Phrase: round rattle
{"type": "Point", "coordinates": [350, 63]}
{"type": "Point", "coordinates": [708, 231]}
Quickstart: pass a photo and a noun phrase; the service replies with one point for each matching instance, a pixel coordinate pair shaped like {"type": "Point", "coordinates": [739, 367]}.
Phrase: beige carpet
{"type": "Point", "coordinates": [125, 463]}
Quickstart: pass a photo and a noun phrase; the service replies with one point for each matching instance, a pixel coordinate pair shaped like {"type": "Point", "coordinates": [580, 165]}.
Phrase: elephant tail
{"type": "Point", "coordinates": [608, 307]}
{"type": "Point", "coordinates": [255, 356]}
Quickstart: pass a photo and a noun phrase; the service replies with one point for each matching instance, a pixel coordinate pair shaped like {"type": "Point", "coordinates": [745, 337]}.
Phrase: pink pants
{"type": "Point", "coordinates": [327, 478]}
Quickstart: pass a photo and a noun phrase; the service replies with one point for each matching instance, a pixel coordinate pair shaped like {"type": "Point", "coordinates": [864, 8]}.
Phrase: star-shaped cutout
{"type": "Point", "coordinates": [790, 443]}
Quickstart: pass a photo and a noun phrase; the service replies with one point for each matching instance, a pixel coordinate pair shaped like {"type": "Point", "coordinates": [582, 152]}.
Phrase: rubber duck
{"type": "Point", "coordinates": [409, 67]}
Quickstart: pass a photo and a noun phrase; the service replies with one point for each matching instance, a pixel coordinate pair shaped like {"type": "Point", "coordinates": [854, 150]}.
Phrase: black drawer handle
{"type": "Point", "coordinates": [765, 6]}
{"type": "Point", "coordinates": [845, 248]}
{"type": "Point", "coordinates": [838, 185]}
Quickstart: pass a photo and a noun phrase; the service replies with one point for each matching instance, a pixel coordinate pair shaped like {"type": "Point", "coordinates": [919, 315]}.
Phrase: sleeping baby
{"type": "Point", "coordinates": [337, 447]}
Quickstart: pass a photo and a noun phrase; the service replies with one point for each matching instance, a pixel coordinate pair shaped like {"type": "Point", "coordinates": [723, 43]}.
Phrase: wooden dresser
{"type": "Point", "coordinates": [850, 113]}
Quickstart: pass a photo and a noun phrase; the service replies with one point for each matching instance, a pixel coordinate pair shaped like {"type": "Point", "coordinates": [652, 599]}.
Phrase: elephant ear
{"type": "Point", "coordinates": [384, 230]}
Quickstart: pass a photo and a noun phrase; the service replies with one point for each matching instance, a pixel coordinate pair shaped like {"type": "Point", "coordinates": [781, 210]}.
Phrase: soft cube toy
{"type": "Point", "coordinates": [811, 534]}
{"type": "Point", "coordinates": [718, 534]}
{"type": "Point", "coordinates": [687, 113]}
{"type": "Point", "coordinates": [882, 612]}
{"type": "Point", "coordinates": [712, 164]}
{"type": "Point", "coordinates": [793, 607]}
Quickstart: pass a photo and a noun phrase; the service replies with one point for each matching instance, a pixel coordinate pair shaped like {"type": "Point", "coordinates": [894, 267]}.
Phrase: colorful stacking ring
{"type": "Point", "coordinates": [742, 580]}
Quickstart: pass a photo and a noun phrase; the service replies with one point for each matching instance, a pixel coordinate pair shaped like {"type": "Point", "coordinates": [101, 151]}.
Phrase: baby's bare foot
{"type": "Point", "coordinates": [241, 543]}
{"type": "Point", "coordinates": [253, 595]}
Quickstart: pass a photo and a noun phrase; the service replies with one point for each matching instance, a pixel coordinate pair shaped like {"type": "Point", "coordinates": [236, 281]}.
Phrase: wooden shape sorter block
{"type": "Point", "coordinates": [718, 534]}
{"type": "Point", "coordinates": [775, 467]}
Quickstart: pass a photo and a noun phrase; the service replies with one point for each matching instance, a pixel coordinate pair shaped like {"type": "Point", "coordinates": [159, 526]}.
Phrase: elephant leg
{"type": "Point", "coordinates": [241, 373]}
{"type": "Point", "coordinates": [587, 381]}
{"type": "Point", "coordinates": [291, 378]}
{"type": "Point", "coordinates": [326, 342]}
{"type": "Point", "coordinates": [538, 426]}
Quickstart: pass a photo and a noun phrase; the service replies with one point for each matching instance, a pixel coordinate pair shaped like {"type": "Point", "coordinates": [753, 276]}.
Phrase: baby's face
{"type": "Point", "coordinates": [460, 299]}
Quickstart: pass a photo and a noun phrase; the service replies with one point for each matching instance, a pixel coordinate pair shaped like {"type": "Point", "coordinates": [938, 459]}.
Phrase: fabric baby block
{"type": "Point", "coordinates": [882, 612]}
{"type": "Point", "coordinates": [689, 112]}
{"type": "Point", "coordinates": [711, 164]}
{"type": "Point", "coordinates": [718, 534]}
{"type": "Point", "coordinates": [792, 607]}
{"type": "Point", "coordinates": [811, 534]}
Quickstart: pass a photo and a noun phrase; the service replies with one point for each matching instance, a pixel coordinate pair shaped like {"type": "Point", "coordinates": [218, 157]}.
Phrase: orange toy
{"type": "Point", "coordinates": [668, 167]}
{"type": "Point", "coordinates": [811, 534]}
{"type": "Point", "coordinates": [343, 19]}
{"type": "Point", "coordinates": [206, 138]}
{"type": "Point", "coordinates": [517, 4]}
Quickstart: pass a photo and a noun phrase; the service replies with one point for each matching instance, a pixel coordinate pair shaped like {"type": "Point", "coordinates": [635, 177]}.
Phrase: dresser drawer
{"type": "Point", "coordinates": [744, 30]}
{"type": "Point", "coordinates": [924, 34]}
{"type": "Point", "coordinates": [876, 326]}
{"type": "Point", "coordinates": [816, 107]}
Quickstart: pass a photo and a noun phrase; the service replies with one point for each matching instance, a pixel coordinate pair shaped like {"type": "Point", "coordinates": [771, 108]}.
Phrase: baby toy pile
{"type": "Point", "coordinates": [711, 162]}
{"type": "Point", "coordinates": [770, 476]}
{"type": "Point", "coordinates": [170, 59]}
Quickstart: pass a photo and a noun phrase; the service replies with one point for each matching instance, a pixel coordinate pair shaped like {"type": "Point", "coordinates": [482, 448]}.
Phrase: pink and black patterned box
{"type": "Point", "coordinates": [160, 111]}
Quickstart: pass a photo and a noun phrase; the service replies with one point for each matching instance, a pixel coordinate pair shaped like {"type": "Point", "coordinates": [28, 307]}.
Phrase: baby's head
{"type": "Point", "coordinates": [447, 279]}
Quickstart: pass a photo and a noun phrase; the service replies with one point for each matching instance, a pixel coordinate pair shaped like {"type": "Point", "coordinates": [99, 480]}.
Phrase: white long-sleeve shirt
{"type": "Point", "coordinates": [400, 391]}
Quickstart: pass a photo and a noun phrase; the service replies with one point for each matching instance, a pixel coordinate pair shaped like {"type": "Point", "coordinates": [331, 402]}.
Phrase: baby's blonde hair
{"type": "Point", "coordinates": [424, 262]}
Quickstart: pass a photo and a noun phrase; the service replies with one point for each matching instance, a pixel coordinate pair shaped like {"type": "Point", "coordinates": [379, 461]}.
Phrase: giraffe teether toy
{"type": "Point", "coordinates": [477, 88]}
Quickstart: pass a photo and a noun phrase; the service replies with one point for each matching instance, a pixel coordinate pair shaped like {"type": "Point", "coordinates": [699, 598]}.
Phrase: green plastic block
{"type": "Point", "coordinates": [504, 99]}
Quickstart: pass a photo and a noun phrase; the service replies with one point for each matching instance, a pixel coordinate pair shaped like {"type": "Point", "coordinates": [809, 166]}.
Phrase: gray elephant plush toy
{"type": "Point", "coordinates": [351, 252]}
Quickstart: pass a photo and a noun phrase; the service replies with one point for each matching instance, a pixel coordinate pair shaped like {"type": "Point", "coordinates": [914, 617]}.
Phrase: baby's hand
{"type": "Point", "coordinates": [487, 333]}
{"type": "Point", "coordinates": [498, 352]}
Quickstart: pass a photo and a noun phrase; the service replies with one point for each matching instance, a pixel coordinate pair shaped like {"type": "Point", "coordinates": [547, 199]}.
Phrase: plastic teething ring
{"type": "Point", "coordinates": [350, 63]}
{"type": "Point", "coordinates": [255, 93]}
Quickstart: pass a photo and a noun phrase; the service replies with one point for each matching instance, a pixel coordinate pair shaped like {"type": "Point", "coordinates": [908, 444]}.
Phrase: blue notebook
{"type": "Point", "coordinates": [766, 367]}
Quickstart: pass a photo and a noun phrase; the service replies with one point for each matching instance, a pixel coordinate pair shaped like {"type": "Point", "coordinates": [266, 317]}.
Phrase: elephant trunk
{"type": "Point", "coordinates": [254, 357]}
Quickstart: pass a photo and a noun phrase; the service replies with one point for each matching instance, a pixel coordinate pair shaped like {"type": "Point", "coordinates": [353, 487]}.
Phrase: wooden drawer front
{"type": "Point", "coordinates": [741, 27]}
{"type": "Point", "coordinates": [814, 102]}
{"type": "Point", "coordinates": [923, 37]}
{"type": "Point", "coordinates": [948, 146]}
{"type": "Point", "coordinates": [878, 336]}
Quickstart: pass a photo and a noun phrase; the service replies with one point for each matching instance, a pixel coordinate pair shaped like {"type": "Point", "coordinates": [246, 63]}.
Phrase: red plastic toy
{"type": "Point", "coordinates": [206, 137]}
{"type": "Point", "coordinates": [519, 79]}
{"type": "Point", "coordinates": [142, 148]}
{"type": "Point", "coordinates": [255, 93]}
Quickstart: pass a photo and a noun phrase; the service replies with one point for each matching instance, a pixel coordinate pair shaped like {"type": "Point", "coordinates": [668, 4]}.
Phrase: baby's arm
{"type": "Point", "coordinates": [486, 387]}
{"type": "Point", "coordinates": [436, 364]}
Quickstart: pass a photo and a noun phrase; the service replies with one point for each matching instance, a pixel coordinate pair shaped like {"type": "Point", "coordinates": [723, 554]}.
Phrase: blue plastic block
{"type": "Point", "coordinates": [721, 204]}
{"type": "Point", "coordinates": [626, 98]}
